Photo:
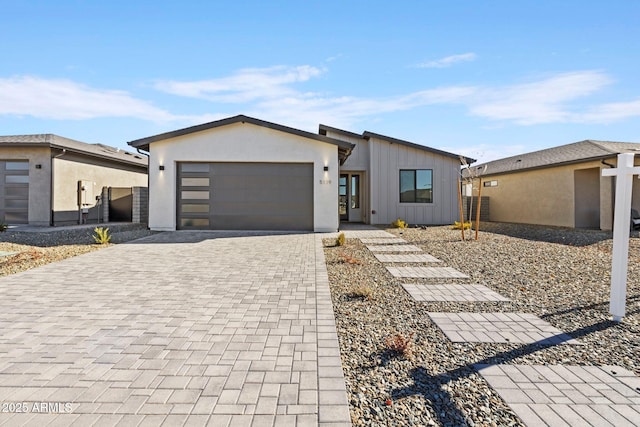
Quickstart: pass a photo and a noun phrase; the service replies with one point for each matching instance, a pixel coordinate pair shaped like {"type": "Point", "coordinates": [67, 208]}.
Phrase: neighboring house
{"type": "Point", "coordinates": [44, 177]}
{"type": "Point", "coordinates": [245, 173]}
{"type": "Point", "coordinates": [560, 186]}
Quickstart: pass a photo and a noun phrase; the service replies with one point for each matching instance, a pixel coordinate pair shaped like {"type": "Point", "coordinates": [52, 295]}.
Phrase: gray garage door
{"type": "Point", "coordinates": [14, 191]}
{"type": "Point", "coordinates": [245, 196]}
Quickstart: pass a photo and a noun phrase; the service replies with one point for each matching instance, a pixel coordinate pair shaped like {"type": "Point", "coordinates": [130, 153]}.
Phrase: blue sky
{"type": "Point", "coordinates": [486, 79]}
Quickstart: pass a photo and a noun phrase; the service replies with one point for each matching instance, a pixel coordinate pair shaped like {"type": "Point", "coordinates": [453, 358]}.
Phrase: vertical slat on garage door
{"type": "Point", "coordinates": [194, 193]}
{"type": "Point", "coordinates": [14, 191]}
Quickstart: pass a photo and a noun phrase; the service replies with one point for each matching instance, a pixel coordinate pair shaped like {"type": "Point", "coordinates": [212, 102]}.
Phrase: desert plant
{"type": "Point", "coordinates": [362, 291]}
{"type": "Point", "coordinates": [400, 344]}
{"type": "Point", "coordinates": [457, 224]}
{"type": "Point", "coordinates": [340, 240]}
{"type": "Point", "coordinates": [102, 236]}
{"type": "Point", "coordinates": [3, 227]}
{"type": "Point", "coordinates": [398, 223]}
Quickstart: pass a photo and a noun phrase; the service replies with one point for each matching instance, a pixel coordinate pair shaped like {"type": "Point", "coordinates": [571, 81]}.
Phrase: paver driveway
{"type": "Point", "coordinates": [179, 328]}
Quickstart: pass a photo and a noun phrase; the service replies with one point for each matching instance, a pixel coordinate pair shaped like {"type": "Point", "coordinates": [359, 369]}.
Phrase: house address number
{"type": "Point", "coordinates": [325, 181]}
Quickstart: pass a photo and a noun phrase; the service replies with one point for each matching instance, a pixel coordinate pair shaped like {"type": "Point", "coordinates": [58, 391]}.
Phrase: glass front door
{"type": "Point", "coordinates": [343, 197]}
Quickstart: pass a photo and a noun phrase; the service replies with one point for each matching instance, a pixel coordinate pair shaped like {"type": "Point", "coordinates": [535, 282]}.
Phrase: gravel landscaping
{"type": "Point", "coordinates": [23, 250]}
{"type": "Point", "coordinates": [560, 275]}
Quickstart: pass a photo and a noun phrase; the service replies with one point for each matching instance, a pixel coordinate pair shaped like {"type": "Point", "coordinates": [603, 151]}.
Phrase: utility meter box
{"type": "Point", "coordinates": [86, 198]}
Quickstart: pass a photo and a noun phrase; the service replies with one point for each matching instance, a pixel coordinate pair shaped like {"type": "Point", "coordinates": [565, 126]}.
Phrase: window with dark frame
{"type": "Point", "coordinates": [416, 186]}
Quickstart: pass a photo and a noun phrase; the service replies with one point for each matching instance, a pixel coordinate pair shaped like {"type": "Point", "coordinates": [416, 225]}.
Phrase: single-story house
{"type": "Point", "coordinates": [561, 186]}
{"type": "Point", "coordinates": [46, 179]}
{"type": "Point", "coordinates": [246, 173]}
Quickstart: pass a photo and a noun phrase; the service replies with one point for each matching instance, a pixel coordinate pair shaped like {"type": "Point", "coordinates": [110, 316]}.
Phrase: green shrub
{"type": "Point", "coordinates": [340, 240]}
{"type": "Point", "coordinates": [3, 227]}
{"type": "Point", "coordinates": [102, 235]}
{"type": "Point", "coordinates": [398, 223]}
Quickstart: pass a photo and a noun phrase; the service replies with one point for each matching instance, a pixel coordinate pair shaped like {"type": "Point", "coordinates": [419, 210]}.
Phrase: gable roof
{"type": "Point", "coordinates": [576, 152]}
{"type": "Point", "coordinates": [368, 135]}
{"type": "Point", "coordinates": [94, 150]}
{"type": "Point", "coordinates": [344, 148]}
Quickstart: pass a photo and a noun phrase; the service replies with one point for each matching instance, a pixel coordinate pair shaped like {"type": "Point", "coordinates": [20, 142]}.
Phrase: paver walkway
{"type": "Point", "coordinates": [383, 241]}
{"type": "Point", "coordinates": [427, 272]}
{"type": "Point", "coordinates": [406, 258]}
{"type": "Point", "coordinates": [394, 248]}
{"type": "Point", "coordinates": [452, 292]}
{"type": "Point", "coordinates": [179, 328]}
{"type": "Point", "coordinates": [567, 395]}
{"type": "Point", "coordinates": [522, 328]}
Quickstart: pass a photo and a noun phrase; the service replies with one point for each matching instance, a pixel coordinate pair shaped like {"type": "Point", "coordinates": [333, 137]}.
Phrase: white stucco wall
{"type": "Point", "coordinates": [241, 142]}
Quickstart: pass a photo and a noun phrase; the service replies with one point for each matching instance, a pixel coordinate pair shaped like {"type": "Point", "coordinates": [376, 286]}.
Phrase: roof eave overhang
{"type": "Point", "coordinates": [565, 163]}
{"type": "Point", "coordinates": [368, 135]}
{"type": "Point", "coordinates": [74, 150]}
{"type": "Point", "coordinates": [344, 147]}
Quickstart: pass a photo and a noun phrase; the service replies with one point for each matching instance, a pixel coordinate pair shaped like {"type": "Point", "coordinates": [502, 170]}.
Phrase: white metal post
{"type": "Point", "coordinates": [621, 222]}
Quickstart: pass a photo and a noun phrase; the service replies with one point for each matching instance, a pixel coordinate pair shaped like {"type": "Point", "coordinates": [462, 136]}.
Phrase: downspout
{"type": "Point", "coordinates": [613, 190]}
{"type": "Point", "coordinates": [51, 213]}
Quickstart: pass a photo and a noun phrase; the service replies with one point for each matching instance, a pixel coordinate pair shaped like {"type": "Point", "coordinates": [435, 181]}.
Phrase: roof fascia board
{"type": "Point", "coordinates": [97, 156]}
{"type": "Point", "coordinates": [70, 149]}
{"type": "Point", "coordinates": [143, 143]}
{"type": "Point", "coordinates": [565, 163]}
{"type": "Point", "coordinates": [392, 140]}
{"type": "Point", "coordinates": [324, 128]}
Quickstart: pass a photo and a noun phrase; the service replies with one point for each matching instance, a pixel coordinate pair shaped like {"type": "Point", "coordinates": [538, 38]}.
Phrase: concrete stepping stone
{"type": "Point", "coordinates": [518, 328]}
{"type": "Point", "coordinates": [427, 272]}
{"type": "Point", "coordinates": [394, 248]}
{"type": "Point", "coordinates": [567, 395]}
{"type": "Point", "coordinates": [365, 234]}
{"type": "Point", "coordinates": [452, 292]}
{"type": "Point", "coordinates": [405, 258]}
{"type": "Point", "coordinates": [383, 241]}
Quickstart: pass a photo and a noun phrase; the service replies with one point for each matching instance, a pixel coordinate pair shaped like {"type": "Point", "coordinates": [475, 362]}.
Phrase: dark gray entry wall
{"type": "Point", "coordinates": [14, 191]}
{"type": "Point", "coordinates": [245, 196]}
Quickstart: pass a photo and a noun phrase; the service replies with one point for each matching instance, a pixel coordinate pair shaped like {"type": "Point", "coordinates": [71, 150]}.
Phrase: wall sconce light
{"type": "Point", "coordinates": [326, 168]}
{"type": "Point", "coordinates": [38, 166]}
{"type": "Point", "coordinates": [161, 167]}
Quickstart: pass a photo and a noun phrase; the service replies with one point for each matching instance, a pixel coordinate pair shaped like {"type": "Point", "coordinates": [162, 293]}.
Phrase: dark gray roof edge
{"type": "Point", "coordinates": [602, 145]}
{"type": "Point", "coordinates": [324, 128]}
{"type": "Point", "coordinates": [241, 118]}
{"type": "Point", "coordinates": [536, 167]}
{"type": "Point", "coordinates": [368, 135]}
{"type": "Point", "coordinates": [62, 143]}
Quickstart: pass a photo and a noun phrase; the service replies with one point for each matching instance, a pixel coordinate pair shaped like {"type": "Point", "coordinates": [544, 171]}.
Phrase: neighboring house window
{"type": "Point", "coordinates": [490, 183]}
{"type": "Point", "coordinates": [416, 186]}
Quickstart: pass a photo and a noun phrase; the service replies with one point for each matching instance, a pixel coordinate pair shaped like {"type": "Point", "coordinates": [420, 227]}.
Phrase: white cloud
{"type": "Point", "coordinates": [611, 112]}
{"type": "Point", "coordinates": [271, 94]}
{"type": "Point", "coordinates": [448, 61]}
{"type": "Point", "coordinates": [546, 101]}
{"type": "Point", "coordinates": [245, 85]}
{"type": "Point", "coordinates": [64, 99]}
